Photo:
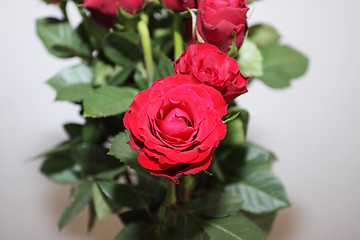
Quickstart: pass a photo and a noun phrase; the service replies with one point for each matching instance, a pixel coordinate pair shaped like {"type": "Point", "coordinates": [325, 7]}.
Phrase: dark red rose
{"type": "Point", "coordinates": [176, 125]}
{"type": "Point", "coordinates": [105, 11]}
{"type": "Point", "coordinates": [179, 5]}
{"type": "Point", "coordinates": [218, 19]}
{"type": "Point", "coordinates": [205, 63]}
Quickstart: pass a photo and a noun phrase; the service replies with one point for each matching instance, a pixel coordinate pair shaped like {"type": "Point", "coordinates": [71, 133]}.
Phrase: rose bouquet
{"type": "Point", "coordinates": [163, 143]}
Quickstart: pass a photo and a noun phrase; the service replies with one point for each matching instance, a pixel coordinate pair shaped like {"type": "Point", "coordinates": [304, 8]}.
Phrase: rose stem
{"type": "Point", "coordinates": [146, 45]}
{"type": "Point", "coordinates": [85, 21]}
{"type": "Point", "coordinates": [62, 6]}
{"type": "Point", "coordinates": [170, 199]}
{"type": "Point", "coordinates": [185, 187]}
{"type": "Point", "coordinates": [178, 40]}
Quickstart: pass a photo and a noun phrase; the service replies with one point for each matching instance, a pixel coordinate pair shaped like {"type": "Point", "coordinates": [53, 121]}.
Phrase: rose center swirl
{"type": "Point", "coordinates": [177, 124]}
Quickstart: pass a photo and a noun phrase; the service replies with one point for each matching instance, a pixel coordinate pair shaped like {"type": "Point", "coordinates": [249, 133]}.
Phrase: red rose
{"type": "Point", "coordinates": [205, 63]}
{"type": "Point", "coordinates": [179, 5]}
{"type": "Point", "coordinates": [218, 19]}
{"type": "Point", "coordinates": [176, 125]}
{"type": "Point", "coordinates": [105, 11]}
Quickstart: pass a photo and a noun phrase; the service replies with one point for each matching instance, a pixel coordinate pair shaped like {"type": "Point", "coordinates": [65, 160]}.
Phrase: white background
{"type": "Point", "coordinates": [313, 127]}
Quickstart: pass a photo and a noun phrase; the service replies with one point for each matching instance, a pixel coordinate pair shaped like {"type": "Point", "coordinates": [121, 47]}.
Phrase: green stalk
{"type": "Point", "coordinates": [170, 200]}
{"type": "Point", "coordinates": [178, 40]}
{"type": "Point", "coordinates": [146, 45]}
{"type": "Point", "coordinates": [62, 6]}
{"type": "Point", "coordinates": [171, 194]}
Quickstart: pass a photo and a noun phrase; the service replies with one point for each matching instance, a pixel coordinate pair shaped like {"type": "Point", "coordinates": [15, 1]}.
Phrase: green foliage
{"type": "Point", "coordinates": [250, 59]}
{"type": "Point", "coordinates": [80, 199]}
{"type": "Point", "coordinates": [261, 190]}
{"type": "Point", "coordinates": [233, 227]}
{"type": "Point", "coordinates": [123, 195]}
{"type": "Point", "coordinates": [263, 221]}
{"type": "Point", "coordinates": [60, 169]}
{"type": "Point", "coordinates": [108, 101]}
{"type": "Point", "coordinates": [215, 204]}
{"type": "Point", "coordinates": [263, 34]}
{"type": "Point", "coordinates": [122, 151]}
{"type": "Point", "coordinates": [73, 83]}
{"type": "Point", "coordinates": [122, 48]}
{"type": "Point", "coordinates": [281, 64]}
{"type": "Point", "coordinates": [238, 200]}
{"type": "Point", "coordinates": [137, 231]}
{"type": "Point", "coordinates": [102, 205]}
{"type": "Point", "coordinates": [61, 39]}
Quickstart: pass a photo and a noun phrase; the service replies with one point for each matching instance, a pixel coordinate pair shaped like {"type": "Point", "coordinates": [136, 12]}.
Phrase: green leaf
{"type": "Point", "coordinates": [187, 228]}
{"type": "Point", "coordinates": [233, 51]}
{"type": "Point", "coordinates": [59, 168]}
{"type": "Point", "coordinates": [73, 129]}
{"type": "Point", "coordinates": [80, 73]}
{"type": "Point", "coordinates": [262, 192]}
{"type": "Point", "coordinates": [137, 231]}
{"type": "Point", "coordinates": [122, 151]}
{"type": "Point", "coordinates": [93, 132]}
{"type": "Point", "coordinates": [61, 39]}
{"type": "Point", "coordinates": [228, 119]}
{"type": "Point", "coordinates": [93, 158]}
{"type": "Point", "coordinates": [257, 157]}
{"type": "Point", "coordinates": [64, 147]}
{"type": "Point", "coordinates": [100, 71]}
{"type": "Point", "coordinates": [81, 198]}
{"type": "Point", "coordinates": [78, 76]}
{"type": "Point", "coordinates": [111, 174]}
{"type": "Point", "coordinates": [123, 195]}
{"type": "Point", "coordinates": [263, 221]}
{"type": "Point", "coordinates": [140, 77]}
{"type": "Point", "coordinates": [134, 216]}
{"type": "Point", "coordinates": [92, 216]}
{"type": "Point", "coordinates": [107, 101]}
{"type": "Point", "coordinates": [250, 59]}
{"type": "Point", "coordinates": [94, 33]}
{"type": "Point", "coordinates": [120, 76]}
{"type": "Point", "coordinates": [236, 161]}
{"type": "Point", "coordinates": [263, 35]}
{"type": "Point", "coordinates": [235, 133]}
{"type": "Point", "coordinates": [214, 204]}
{"type": "Point", "coordinates": [74, 93]}
{"type": "Point", "coordinates": [281, 64]}
{"type": "Point", "coordinates": [164, 64]}
{"type": "Point", "coordinates": [102, 206]}
{"type": "Point", "coordinates": [149, 185]}
{"type": "Point", "coordinates": [236, 227]}
{"type": "Point", "coordinates": [123, 48]}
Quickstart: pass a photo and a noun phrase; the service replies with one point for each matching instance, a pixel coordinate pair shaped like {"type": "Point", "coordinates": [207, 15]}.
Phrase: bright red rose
{"type": "Point", "coordinates": [105, 11]}
{"type": "Point", "coordinates": [179, 5]}
{"type": "Point", "coordinates": [176, 125]}
{"type": "Point", "coordinates": [218, 19]}
{"type": "Point", "coordinates": [205, 63]}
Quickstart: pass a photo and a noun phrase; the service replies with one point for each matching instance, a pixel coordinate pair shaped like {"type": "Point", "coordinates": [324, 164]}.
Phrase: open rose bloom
{"type": "Point", "coordinates": [176, 125]}
{"type": "Point", "coordinates": [206, 64]}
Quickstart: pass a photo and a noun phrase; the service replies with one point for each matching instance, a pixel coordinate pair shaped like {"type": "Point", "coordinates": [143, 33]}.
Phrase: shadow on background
{"type": "Point", "coordinates": [284, 224]}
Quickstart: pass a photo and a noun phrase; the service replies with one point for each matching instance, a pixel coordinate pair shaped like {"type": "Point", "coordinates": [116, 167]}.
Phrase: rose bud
{"type": "Point", "coordinates": [206, 64]}
{"type": "Point", "coordinates": [176, 125]}
{"type": "Point", "coordinates": [105, 11]}
{"type": "Point", "coordinates": [179, 5]}
{"type": "Point", "coordinates": [217, 20]}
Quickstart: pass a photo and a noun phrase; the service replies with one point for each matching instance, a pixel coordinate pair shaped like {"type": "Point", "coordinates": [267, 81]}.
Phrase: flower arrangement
{"type": "Point", "coordinates": [163, 143]}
